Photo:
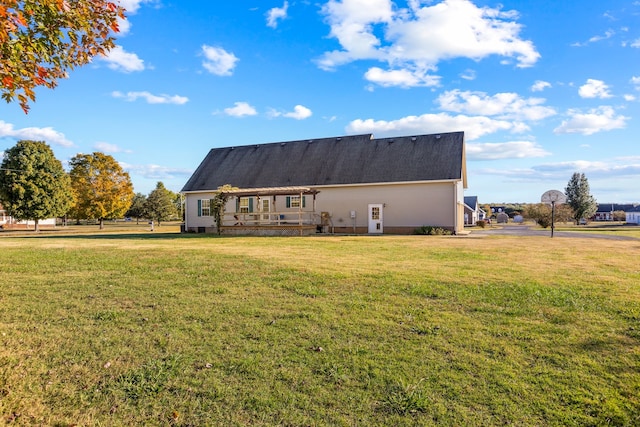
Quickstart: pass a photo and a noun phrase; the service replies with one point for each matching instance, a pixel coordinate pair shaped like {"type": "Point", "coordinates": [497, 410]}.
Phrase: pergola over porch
{"type": "Point", "coordinates": [275, 221]}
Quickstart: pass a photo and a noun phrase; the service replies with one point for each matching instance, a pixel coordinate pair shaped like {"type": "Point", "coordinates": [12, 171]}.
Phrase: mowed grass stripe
{"type": "Point", "coordinates": [414, 330]}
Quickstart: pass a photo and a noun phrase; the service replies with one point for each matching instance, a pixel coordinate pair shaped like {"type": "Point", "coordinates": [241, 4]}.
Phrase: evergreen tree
{"type": "Point", "coordinates": [160, 204]}
{"type": "Point", "coordinates": [101, 188]}
{"type": "Point", "coordinates": [33, 184]}
{"type": "Point", "coordinates": [137, 209]}
{"type": "Point", "coordinates": [579, 198]}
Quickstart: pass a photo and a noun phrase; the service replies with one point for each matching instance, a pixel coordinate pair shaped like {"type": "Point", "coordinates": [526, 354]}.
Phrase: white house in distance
{"type": "Point", "coordinates": [7, 221]}
{"type": "Point", "coordinates": [633, 215]}
{"type": "Point", "coordinates": [347, 184]}
{"type": "Point", "coordinates": [472, 210]}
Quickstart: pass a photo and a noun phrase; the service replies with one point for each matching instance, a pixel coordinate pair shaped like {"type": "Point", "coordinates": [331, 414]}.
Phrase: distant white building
{"type": "Point", "coordinates": [5, 219]}
{"type": "Point", "coordinates": [633, 215]}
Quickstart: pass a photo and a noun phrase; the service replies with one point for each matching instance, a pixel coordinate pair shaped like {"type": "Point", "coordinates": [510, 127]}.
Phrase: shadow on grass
{"type": "Point", "coordinates": [112, 236]}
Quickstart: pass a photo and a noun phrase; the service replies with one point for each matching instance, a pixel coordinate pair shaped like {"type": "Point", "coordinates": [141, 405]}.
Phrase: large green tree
{"type": "Point", "coordinates": [159, 205]}
{"type": "Point", "coordinates": [102, 189]}
{"type": "Point", "coordinates": [579, 197]}
{"type": "Point", "coordinates": [33, 184]}
{"type": "Point", "coordinates": [41, 40]}
{"type": "Point", "coordinates": [137, 208]}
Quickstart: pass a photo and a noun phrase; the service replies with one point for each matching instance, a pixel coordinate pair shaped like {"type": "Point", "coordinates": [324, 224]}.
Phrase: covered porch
{"type": "Point", "coordinates": [267, 216]}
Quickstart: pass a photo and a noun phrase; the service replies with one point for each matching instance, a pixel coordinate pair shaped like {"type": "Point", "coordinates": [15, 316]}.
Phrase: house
{"type": "Point", "coordinates": [347, 184]}
{"type": "Point", "coordinates": [4, 216]}
{"type": "Point", "coordinates": [6, 221]}
{"type": "Point", "coordinates": [633, 214]}
{"type": "Point", "coordinates": [605, 211]}
{"type": "Point", "coordinates": [472, 210]}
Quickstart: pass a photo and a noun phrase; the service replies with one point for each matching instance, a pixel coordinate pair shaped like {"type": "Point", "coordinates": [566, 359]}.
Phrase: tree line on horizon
{"type": "Point", "coordinates": [35, 186]}
{"type": "Point", "coordinates": [580, 205]}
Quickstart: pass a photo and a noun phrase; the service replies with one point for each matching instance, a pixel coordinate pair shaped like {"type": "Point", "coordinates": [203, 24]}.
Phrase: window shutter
{"type": "Point", "coordinates": [304, 200]}
{"type": "Point", "coordinates": [250, 204]}
{"type": "Point", "coordinates": [211, 205]}
{"type": "Point", "coordinates": [237, 204]}
{"type": "Point", "coordinates": [199, 207]}
{"type": "Point", "coordinates": [288, 201]}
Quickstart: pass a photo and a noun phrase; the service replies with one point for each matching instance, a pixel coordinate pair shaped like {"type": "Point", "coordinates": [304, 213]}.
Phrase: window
{"type": "Point", "coordinates": [375, 213]}
{"type": "Point", "coordinates": [204, 207]}
{"type": "Point", "coordinates": [243, 206]}
{"type": "Point", "coordinates": [294, 201]}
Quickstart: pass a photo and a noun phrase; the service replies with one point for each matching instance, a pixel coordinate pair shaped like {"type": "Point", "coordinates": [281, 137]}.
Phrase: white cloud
{"type": "Point", "coordinates": [105, 147]}
{"type": "Point", "coordinates": [473, 127]}
{"type": "Point", "coordinates": [607, 35]}
{"type": "Point", "coordinates": [505, 150]}
{"type": "Point", "coordinates": [275, 14]}
{"type": "Point", "coordinates": [417, 38]}
{"type": "Point", "coordinates": [151, 98]}
{"type": "Point", "coordinates": [132, 6]}
{"type": "Point", "coordinates": [468, 74]}
{"type": "Point", "coordinates": [594, 89]}
{"type": "Point", "coordinates": [155, 171]}
{"type": "Point", "coordinates": [635, 43]}
{"type": "Point", "coordinates": [599, 119]}
{"type": "Point", "coordinates": [503, 105]}
{"type": "Point", "coordinates": [540, 85]}
{"type": "Point", "coordinates": [120, 60]}
{"type": "Point", "coordinates": [629, 97]}
{"type": "Point", "coordinates": [241, 109]}
{"type": "Point", "coordinates": [299, 112]}
{"type": "Point", "coordinates": [403, 78]}
{"type": "Point", "coordinates": [636, 81]}
{"type": "Point", "coordinates": [605, 168]}
{"type": "Point", "coordinates": [124, 27]}
{"type": "Point", "coordinates": [46, 134]}
{"type": "Point", "coordinates": [218, 61]}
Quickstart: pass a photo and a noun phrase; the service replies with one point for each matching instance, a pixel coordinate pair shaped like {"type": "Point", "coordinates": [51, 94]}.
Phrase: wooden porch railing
{"type": "Point", "coordinates": [270, 218]}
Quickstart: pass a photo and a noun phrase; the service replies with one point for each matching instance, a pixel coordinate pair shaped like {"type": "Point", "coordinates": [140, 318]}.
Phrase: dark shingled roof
{"type": "Point", "coordinates": [358, 159]}
{"type": "Point", "coordinates": [471, 201]}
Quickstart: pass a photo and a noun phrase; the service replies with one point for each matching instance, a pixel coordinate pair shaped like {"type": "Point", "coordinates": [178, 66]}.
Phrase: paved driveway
{"type": "Point", "coordinates": [525, 230]}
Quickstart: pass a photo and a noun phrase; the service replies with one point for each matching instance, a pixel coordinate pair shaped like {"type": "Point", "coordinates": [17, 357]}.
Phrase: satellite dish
{"type": "Point", "coordinates": [553, 196]}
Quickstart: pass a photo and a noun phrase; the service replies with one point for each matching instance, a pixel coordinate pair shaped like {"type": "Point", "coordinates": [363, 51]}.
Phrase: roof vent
{"type": "Point", "coordinates": [233, 148]}
{"type": "Point", "coordinates": [310, 141]}
{"type": "Point", "coordinates": [414, 138]}
{"type": "Point", "coordinates": [338, 139]}
{"type": "Point", "coordinates": [282, 144]}
{"type": "Point", "coordinates": [438, 136]}
{"type": "Point", "coordinates": [391, 141]}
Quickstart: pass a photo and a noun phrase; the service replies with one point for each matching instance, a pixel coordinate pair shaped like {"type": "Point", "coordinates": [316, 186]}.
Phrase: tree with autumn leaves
{"type": "Point", "coordinates": [102, 189]}
{"type": "Point", "coordinates": [41, 40]}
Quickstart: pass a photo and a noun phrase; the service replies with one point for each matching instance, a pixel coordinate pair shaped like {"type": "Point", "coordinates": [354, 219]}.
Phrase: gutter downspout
{"type": "Point", "coordinates": [455, 208]}
{"type": "Point", "coordinates": [184, 213]}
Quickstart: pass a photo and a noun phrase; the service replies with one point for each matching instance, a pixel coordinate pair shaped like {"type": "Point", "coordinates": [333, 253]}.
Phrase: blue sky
{"type": "Point", "coordinates": [542, 89]}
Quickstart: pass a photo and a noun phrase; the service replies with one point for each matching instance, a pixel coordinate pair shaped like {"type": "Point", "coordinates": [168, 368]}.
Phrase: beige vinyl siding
{"type": "Point", "coordinates": [406, 205]}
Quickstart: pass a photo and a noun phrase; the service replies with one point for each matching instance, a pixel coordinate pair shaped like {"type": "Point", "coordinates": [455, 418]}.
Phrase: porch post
{"type": "Point", "coordinates": [300, 210]}
{"type": "Point", "coordinates": [259, 210]}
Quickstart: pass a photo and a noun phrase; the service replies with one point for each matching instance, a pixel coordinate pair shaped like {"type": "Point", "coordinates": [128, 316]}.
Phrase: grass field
{"type": "Point", "coordinates": [168, 329]}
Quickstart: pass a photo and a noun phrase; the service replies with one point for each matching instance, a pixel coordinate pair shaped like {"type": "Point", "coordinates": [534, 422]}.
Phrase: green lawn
{"type": "Point", "coordinates": [168, 329]}
{"type": "Point", "coordinates": [613, 228]}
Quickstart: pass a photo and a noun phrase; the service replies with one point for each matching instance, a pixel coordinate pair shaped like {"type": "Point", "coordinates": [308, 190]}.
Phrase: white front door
{"type": "Point", "coordinates": [266, 208]}
{"type": "Point", "coordinates": [375, 218]}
